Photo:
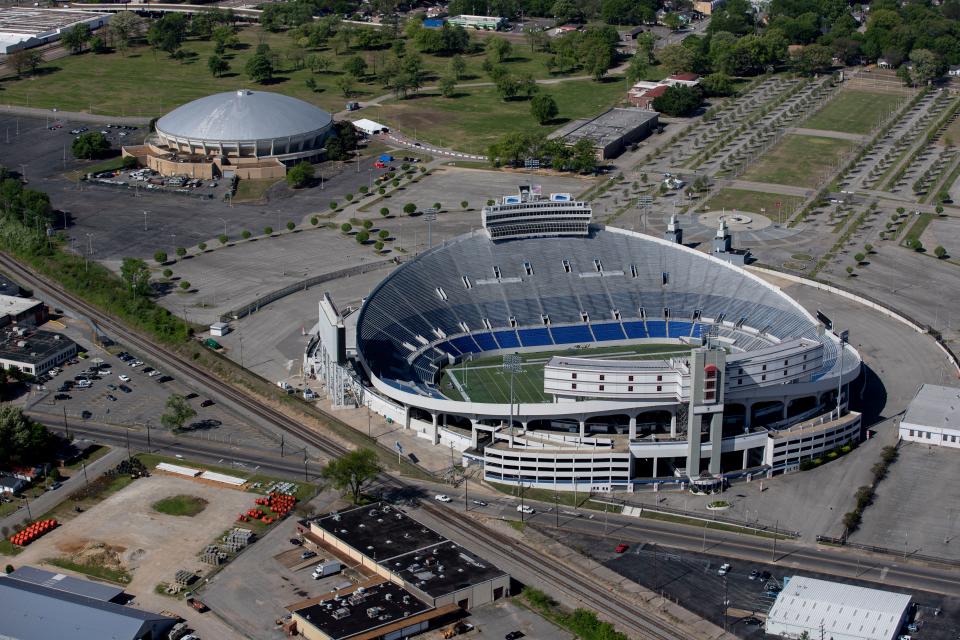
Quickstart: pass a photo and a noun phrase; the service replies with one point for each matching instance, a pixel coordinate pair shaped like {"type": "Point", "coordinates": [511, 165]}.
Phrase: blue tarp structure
{"type": "Point", "coordinates": [386, 157]}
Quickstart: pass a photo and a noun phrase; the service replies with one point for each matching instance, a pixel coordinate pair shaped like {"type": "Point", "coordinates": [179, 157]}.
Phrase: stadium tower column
{"type": "Point", "coordinates": [706, 408]}
{"type": "Point", "coordinates": [434, 432]}
{"type": "Point", "coordinates": [673, 423]}
{"type": "Point", "coordinates": [583, 428]}
{"type": "Point", "coordinates": [633, 427]}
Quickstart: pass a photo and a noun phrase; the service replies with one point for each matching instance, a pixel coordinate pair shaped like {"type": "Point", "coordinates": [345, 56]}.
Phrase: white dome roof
{"type": "Point", "coordinates": [244, 115]}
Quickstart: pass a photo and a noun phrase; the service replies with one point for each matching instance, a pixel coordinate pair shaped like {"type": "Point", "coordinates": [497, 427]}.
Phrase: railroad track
{"type": "Point", "coordinates": [576, 585]}
{"type": "Point", "coordinates": [606, 602]}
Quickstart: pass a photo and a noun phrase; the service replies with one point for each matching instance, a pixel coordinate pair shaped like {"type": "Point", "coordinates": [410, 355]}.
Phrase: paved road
{"type": "Point", "coordinates": [50, 499]}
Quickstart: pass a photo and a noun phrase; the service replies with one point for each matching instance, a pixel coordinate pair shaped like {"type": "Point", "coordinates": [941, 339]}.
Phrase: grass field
{"type": "Point", "coordinates": [479, 117]}
{"type": "Point", "coordinates": [752, 202]}
{"type": "Point", "coordinates": [800, 161]}
{"type": "Point", "coordinates": [485, 381]}
{"type": "Point", "coordinates": [252, 190]}
{"type": "Point", "coordinates": [180, 505]}
{"type": "Point", "coordinates": [119, 576]}
{"type": "Point", "coordinates": [148, 83]}
{"type": "Point", "coordinates": [854, 111]}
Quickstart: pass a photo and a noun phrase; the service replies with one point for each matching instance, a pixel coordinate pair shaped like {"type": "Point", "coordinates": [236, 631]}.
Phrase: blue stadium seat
{"type": "Point", "coordinates": [697, 330]}
{"type": "Point", "coordinates": [635, 330]}
{"type": "Point", "coordinates": [679, 329]}
{"type": "Point", "coordinates": [657, 328]}
{"type": "Point", "coordinates": [486, 342]}
{"type": "Point", "coordinates": [608, 331]}
{"type": "Point", "coordinates": [466, 344]}
{"type": "Point", "coordinates": [571, 335]}
{"type": "Point", "coordinates": [534, 337]}
{"type": "Point", "coordinates": [507, 339]}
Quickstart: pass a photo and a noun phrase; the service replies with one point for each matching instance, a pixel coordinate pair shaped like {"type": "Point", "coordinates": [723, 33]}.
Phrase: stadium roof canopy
{"type": "Point", "coordinates": [244, 115]}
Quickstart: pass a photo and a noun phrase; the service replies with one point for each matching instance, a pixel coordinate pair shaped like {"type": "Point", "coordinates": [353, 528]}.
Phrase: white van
{"type": "Point", "coordinates": [522, 508]}
{"type": "Point", "coordinates": [84, 384]}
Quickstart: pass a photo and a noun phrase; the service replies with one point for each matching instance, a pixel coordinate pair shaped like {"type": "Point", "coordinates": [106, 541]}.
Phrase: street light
{"type": "Point", "coordinates": [224, 221]}
{"type": "Point", "coordinates": [145, 220]}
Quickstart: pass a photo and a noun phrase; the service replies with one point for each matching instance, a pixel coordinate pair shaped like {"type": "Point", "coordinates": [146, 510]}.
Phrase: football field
{"type": "Point", "coordinates": [484, 380]}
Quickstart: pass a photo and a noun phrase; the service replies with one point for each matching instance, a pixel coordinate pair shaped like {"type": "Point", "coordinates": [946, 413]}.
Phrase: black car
{"type": "Point", "coordinates": [86, 415]}
{"type": "Point", "coordinates": [296, 541]}
{"type": "Point", "coordinates": [163, 379]}
{"type": "Point", "coordinates": [206, 403]}
{"type": "Point", "coordinates": [61, 396]}
{"type": "Point", "coordinates": [125, 388]}
{"type": "Point", "coordinates": [112, 398]}
{"type": "Point", "coordinates": [513, 635]}
{"type": "Point", "coordinates": [764, 576]}
{"type": "Point", "coordinates": [190, 396]}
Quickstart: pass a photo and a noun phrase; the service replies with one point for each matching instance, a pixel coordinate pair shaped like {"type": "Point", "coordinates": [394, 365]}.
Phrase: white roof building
{"type": "Point", "coordinates": [837, 611]}
{"type": "Point", "coordinates": [933, 417]}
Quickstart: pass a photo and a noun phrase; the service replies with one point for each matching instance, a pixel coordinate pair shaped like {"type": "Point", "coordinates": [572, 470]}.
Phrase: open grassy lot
{"type": "Point", "coordinates": [148, 83]}
{"type": "Point", "coordinates": [485, 380]}
{"type": "Point", "coordinates": [119, 576]}
{"type": "Point", "coordinates": [752, 202]}
{"type": "Point", "coordinates": [180, 505]}
{"type": "Point", "coordinates": [253, 189]}
{"type": "Point", "coordinates": [854, 111]}
{"type": "Point", "coordinates": [478, 116]}
{"type": "Point", "coordinates": [801, 161]}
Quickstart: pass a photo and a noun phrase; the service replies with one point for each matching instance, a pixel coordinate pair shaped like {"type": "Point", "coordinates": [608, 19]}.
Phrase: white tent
{"type": "Point", "coordinates": [369, 127]}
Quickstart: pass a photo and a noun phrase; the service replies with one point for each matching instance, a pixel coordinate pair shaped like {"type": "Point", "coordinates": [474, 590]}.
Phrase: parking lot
{"type": "Point", "coordinates": [123, 394]}
{"type": "Point", "coordinates": [693, 580]}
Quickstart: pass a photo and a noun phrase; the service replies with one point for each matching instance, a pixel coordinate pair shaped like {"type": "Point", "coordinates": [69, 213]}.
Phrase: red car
{"type": "Point", "coordinates": [621, 548]}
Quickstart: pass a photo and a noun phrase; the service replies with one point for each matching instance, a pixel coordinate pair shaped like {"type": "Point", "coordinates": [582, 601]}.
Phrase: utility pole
{"type": "Point", "coordinates": [66, 425]}
{"type": "Point", "coordinates": [466, 491]}
{"type": "Point", "coordinates": [522, 512]}
{"type": "Point", "coordinates": [27, 501]}
{"type": "Point", "coordinates": [128, 443]}
{"type": "Point", "coordinates": [776, 529]}
{"type": "Point", "coordinates": [149, 444]}
{"type": "Point", "coordinates": [281, 445]}
{"type": "Point", "coordinates": [83, 465]}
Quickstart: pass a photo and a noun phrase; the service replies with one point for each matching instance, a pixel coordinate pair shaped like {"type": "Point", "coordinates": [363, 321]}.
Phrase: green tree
{"type": "Point", "coordinates": [409, 208]}
{"type": "Point", "coordinates": [167, 273]}
{"type": "Point", "coordinates": [448, 86]}
{"type": "Point", "coordinates": [178, 409]}
{"type": "Point", "coordinates": [22, 441]}
{"type": "Point", "coordinates": [76, 37]}
{"type": "Point", "coordinates": [678, 101]}
{"type": "Point", "coordinates": [185, 285]}
{"type": "Point", "coordinates": [464, 204]}
{"type": "Point", "coordinates": [378, 246]}
{"type": "Point", "coordinates": [903, 73]}
{"type": "Point", "coordinates": [291, 226]}
{"type": "Point", "coordinates": [124, 27]}
{"type": "Point", "coordinates": [638, 68]}
{"type": "Point", "coordinates": [356, 66]}
{"type": "Point", "coordinates": [362, 237]}
{"type": "Point", "coordinates": [267, 230]}
{"type": "Point", "coordinates": [222, 238]}
{"type": "Point", "coordinates": [181, 251]}
{"type": "Point", "coordinates": [383, 234]}
{"type": "Point", "coordinates": [245, 234]}
{"type": "Point", "coordinates": [346, 84]}
{"type": "Point", "coordinates": [498, 49]}
{"type": "Point", "coordinates": [346, 227]}
{"type": "Point", "coordinates": [160, 257]}
{"type": "Point", "coordinates": [259, 68]}
{"type": "Point", "coordinates": [677, 58]}
{"type": "Point", "coordinates": [136, 274]}
{"type": "Point", "coordinates": [167, 33]}
{"type": "Point", "coordinates": [849, 270]}
{"type": "Point", "coordinates": [367, 224]}
{"type": "Point", "coordinates": [25, 60]}
{"type": "Point", "coordinates": [89, 145]}
{"type": "Point", "coordinates": [300, 175]}
{"type": "Point", "coordinates": [940, 252]}
{"type": "Point", "coordinates": [98, 45]}
{"type": "Point", "coordinates": [544, 108]}
{"type": "Point", "coordinates": [384, 211]}
{"type": "Point", "coordinates": [456, 67]}
{"type": "Point", "coordinates": [333, 205]}
{"type": "Point", "coordinates": [351, 472]}
{"type": "Point", "coordinates": [859, 257]}
{"type": "Point", "coordinates": [217, 65]}
{"type": "Point", "coordinates": [927, 66]}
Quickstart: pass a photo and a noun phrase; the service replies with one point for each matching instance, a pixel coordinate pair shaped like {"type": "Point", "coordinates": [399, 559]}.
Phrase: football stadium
{"type": "Point", "coordinates": [558, 353]}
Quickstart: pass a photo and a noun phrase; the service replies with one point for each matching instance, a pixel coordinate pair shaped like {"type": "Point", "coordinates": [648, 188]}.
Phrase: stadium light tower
{"type": "Point", "coordinates": [844, 337]}
{"type": "Point", "coordinates": [512, 364]}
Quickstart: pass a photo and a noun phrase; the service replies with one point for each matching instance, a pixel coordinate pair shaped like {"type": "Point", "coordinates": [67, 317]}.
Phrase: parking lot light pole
{"type": "Point", "coordinates": [144, 220]}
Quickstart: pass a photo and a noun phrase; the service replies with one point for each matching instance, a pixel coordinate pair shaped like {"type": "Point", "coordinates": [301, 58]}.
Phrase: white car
{"type": "Point", "coordinates": [124, 378]}
{"type": "Point", "coordinates": [724, 569]}
{"type": "Point", "coordinates": [136, 363]}
{"type": "Point", "coordinates": [153, 373]}
{"type": "Point", "coordinates": [441, 497]}
{"type": "Point", "coordinates": [522, 508]}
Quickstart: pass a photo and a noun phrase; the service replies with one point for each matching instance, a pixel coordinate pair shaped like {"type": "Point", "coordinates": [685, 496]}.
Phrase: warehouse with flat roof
{"type": "Point", "coordinates": [611, 132]}
{"type": "Point", "coordinates": [34, 352]}
{"type": "Point", "coordinates": [25, 27]}
{"type": "Point", "coordinates": [933, 417]}
{"type": "Point", "coordinates": [36, 612]}
{"type": "Point", "coordinates": [834, 610]}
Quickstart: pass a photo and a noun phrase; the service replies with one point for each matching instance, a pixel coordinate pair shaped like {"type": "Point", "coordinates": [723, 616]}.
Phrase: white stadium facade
{"type": "Point", "coordinates": [750, 389]}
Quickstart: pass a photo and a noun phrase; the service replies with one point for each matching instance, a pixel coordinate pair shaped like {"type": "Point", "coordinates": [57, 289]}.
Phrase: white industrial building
{"type": "Point", "coordinates": [25, 27]}
{"type": "Point", "coordinates": [837, 611]}
{"type": "Point", "coordinates": [933, 417]}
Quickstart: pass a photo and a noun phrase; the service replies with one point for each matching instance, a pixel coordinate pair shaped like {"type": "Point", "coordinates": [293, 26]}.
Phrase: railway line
{"type": "Point", "coordinates": [641, 624]}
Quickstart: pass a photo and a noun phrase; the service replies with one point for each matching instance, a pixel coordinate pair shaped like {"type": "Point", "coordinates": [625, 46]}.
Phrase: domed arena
{"type": "Point", "coordinates": [250, 134]}
{"type": "Point", "coordinates": [562, 354]}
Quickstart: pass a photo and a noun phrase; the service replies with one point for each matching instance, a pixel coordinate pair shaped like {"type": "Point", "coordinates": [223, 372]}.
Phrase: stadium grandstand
{"type": "Point", "coordinates": [652, 362]}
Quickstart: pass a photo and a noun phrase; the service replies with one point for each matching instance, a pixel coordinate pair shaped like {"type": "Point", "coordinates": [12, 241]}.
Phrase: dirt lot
{"type": "Point", "coordinates": [151, 545]}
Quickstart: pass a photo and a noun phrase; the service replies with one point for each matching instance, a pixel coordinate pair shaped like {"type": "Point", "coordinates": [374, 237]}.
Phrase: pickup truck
{"type": "Point", "coordinates": [197, 604]}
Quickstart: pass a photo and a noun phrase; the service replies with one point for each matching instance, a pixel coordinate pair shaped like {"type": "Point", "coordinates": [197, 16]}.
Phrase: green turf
{"type": "Point", "coordinates": [479, 117]}
{"type": "Point", "coordinates": [854, 111]}
{"type": "Point", "coordinates": [180, 505]}
{"type": "Point", "coordinates": [148, 83]}
{"type": "Point", "coordinates": [252, 190]}
{"type": "Point", "coordinates": [485, 381]}
{"type": "Point", "coordinates": [753, 201]}
{"type": "Point", "coordinates": [119, 576]}
{"type": "Point", "coordinates": [800, 161]}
